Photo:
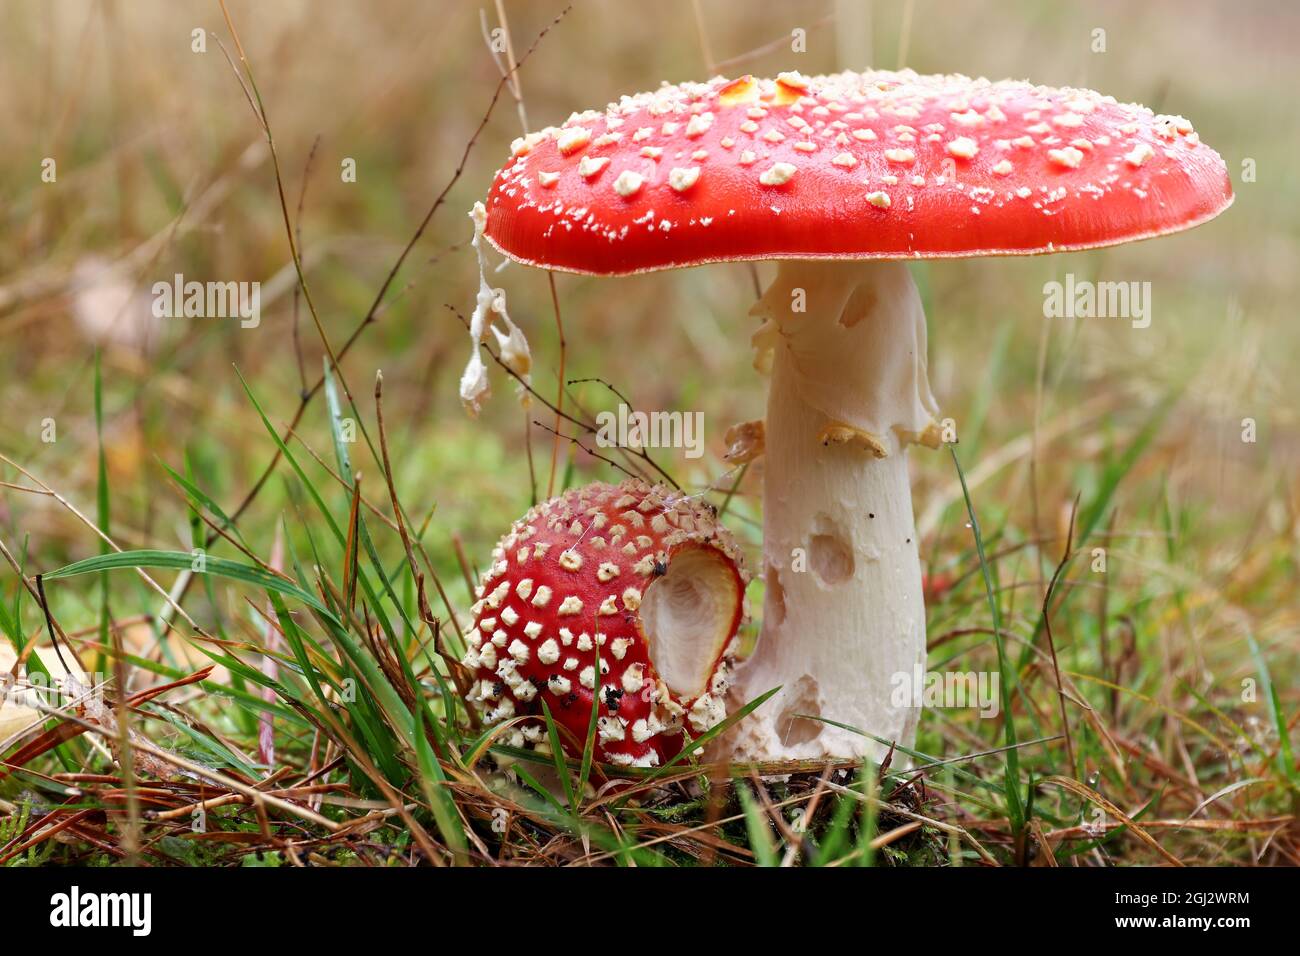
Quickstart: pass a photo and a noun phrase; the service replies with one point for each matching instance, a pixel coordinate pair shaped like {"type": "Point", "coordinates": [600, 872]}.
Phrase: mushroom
{"type": "Point", "coordinates": [842, 178]}
{"type": "Point", "coordinates": [632, 591]}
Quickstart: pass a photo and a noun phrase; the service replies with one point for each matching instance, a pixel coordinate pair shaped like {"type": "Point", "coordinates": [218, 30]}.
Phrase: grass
{"type": "Point", "coordinates": [264, 562]}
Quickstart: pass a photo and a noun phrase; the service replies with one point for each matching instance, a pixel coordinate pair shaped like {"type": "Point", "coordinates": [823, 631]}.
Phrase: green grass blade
{"type": "Point", "coordinates": [557, 752]}
{"type": "Point", "coordinates": [200, 497]}
{"type": "Point", "coordinates": [1015, 809]}
{"type": "Point", "coordinates": [432, 780]}
{"type": "Point", "coordinates": [869, 814]}
{"type": "Point", "coordinates": [102, 509]}
{"type": "Point", "coordinates": [183, 561]}
{"type": "Point", "coordinates": [721, 728]}
{"type": "Point", "coordinates": [1285, 756]}
{"type": "Point", "coordinates": [761, 841]}
{"type": "Point", "coordinates": [589, 745]}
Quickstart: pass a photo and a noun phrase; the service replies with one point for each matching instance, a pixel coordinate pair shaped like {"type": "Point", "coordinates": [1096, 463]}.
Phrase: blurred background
{"type": "Point", "coordinates": [161, 167]}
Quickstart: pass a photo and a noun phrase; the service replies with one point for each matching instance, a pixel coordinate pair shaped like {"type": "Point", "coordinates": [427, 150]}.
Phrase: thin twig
{"type": "Point", "coordinates": [575, 441]}
{"type": "Point", "coordinates": [373, 311]}
{"type": "Point", "coordinates": [302, 195]}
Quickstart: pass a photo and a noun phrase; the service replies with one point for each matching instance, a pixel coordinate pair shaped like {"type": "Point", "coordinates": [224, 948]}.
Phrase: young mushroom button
{"type": "Point", "coordinates": [632, 594]}
{"type": "Point", "coordinates": [842, 178]}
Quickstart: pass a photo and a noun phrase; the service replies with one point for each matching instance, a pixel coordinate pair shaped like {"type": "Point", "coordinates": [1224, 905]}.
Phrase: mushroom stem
{"type": "Point", "coordinates": [843, 612]}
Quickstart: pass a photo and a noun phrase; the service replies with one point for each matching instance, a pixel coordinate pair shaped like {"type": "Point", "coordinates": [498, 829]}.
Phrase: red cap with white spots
{"type": "Point", "coordinates": [881, 164]}
{"type": "Point", "coordinates": [637, 580]}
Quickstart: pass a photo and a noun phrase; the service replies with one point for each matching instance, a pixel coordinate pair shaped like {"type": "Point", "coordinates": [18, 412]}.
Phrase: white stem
{"type": "Point", "coordinates": [843, 614]}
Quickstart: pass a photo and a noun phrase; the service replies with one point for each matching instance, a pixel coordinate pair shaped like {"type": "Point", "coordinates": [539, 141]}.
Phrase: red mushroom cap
{"type": "Point", "coordinates": [641, 578]}
{"type": "Point", "coordinates": [857, 165]}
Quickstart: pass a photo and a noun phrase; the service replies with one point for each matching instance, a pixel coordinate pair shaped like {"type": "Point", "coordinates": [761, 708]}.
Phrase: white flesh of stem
{"type": "Point", "coordinates": [843, 616]}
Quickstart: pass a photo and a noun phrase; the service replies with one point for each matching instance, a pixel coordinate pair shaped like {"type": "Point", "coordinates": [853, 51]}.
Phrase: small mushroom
{"type": "Point", "coordinates": [633, 590]}
{"type": "Point", "coordinates": [843, 178]}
